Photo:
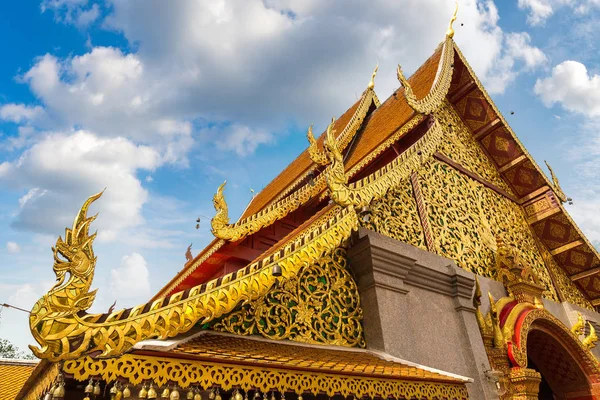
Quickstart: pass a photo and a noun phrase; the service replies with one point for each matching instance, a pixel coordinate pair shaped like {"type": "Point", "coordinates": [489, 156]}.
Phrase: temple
{"type": "Point", "coordinates": [414, 250]}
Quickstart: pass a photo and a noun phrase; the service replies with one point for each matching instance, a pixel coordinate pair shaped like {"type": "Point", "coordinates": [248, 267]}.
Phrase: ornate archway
{"type": "Point", "coordinates": [539, 338]}
{"type": "Point", "coordinates": [525, 341]}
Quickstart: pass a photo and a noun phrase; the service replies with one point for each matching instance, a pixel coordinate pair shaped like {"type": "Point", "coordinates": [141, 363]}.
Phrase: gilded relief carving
{"type": "Point", "coordinates": [319, 305]}
{"type": "Point", "coordinates": [395, 215]}
{"type": "Point", "coordinates": [454, 202]}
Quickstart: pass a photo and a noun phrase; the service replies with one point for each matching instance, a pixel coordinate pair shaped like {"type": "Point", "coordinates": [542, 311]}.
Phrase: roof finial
{"type": "Point", "coordinates": [450, 31]}
{"type": "Point", "coordinates": [372, 83]}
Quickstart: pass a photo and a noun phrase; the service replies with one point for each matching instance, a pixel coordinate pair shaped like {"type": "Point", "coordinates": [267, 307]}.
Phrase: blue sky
{"type": "Point", "coordinates": [160, 102]}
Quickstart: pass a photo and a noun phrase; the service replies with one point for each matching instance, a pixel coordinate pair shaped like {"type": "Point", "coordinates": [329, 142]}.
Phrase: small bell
{"type": "Point", "coordinates": [211, 395]}
{"type": "Point", "coordinates": [246, 396]}
{"type": "Point", "coordinates": [59, 392]}
{"type": "Point", "coordinates": [190, 394]}
{"type": "Point", "coordinates": [126, 392]}
{"type": "Point", "coordinates": [143, 394]}
{"type": "Point", "coordinates": [48, 395]}
{"type": "Point", "coordinates": [257, 395]}
{"type": "Point", "coordinates": [174, 394]}
{"type": "Point", "coordinates": [97, 389]}
{"type": "Point", "coordinates": [113, 389]}
{"type": "Point", "coordinates": [90, 387]}
{"type": "Point", "coordinates": [197, 396]}
{"type": "Point", "coordinates": [165, 393]}
{"type": "Point", "coordinates": [238, 396]}
{"type": "Point", "coordinates": [277, 270]}
{"type": "Point", "coordinates": [218, 396]}
{"type": "Point", "coordinates": [152, 393]}
{"type": "Point", "coordinates": [87, 397]}
{"type": "Point", "coordinates": [300, 397]}
{"type": "Point", "coordinates": [273, 396]}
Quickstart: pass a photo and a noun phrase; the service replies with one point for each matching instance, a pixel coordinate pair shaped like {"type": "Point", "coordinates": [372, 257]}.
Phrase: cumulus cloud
{"type": "Point", "coordinates": [131, 280]}
{"type": "Point", "coordinates": [12, 247]}
{"type": "Point", "coordinates": [62, 169]}
{"type": "Point", "coordinates": [72, 12]}
{"type": "Point", "coordinates": [538, 11]}
{"type": "Point", "coordinates": [105, 115]}
{"type": "Point", "coordinates": [571, 86]}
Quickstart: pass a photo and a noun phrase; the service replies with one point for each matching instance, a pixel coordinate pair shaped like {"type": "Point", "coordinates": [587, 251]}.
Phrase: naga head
{"type": "Point", "coordinates": [74, 254]}
{"type": "Point", "coordinates": [579, 327]}
{"type": "Point", "coordinates": [333, 152]}
{"type": "Point", "coordinates": [221, 218]}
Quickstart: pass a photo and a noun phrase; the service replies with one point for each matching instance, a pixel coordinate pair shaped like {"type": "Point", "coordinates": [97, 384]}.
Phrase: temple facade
{"type": "Point", "coordinates": [414, 250]}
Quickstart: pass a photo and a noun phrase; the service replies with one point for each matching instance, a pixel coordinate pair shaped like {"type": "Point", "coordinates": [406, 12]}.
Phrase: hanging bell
{"type": "Point", "coordinates": [90, 387]}
{"type": "Point", "coordinates": [87, 397]}
{"type": "Point", "coordinates": [152, 393]}
{"type": "Point", "coordinates": [257, 395]}
{"type": "Point", "coordinates": [300, 397]}
{"type": "Point", "coordinates": [174, 394]}
{"type": "Point", "coordinates": [198, 396]}
{"type": "Point", "coordinates": [273, 396]}
{"type": "Point", "coordinates": [97, 389]}
{"type": "Point", "coordinates": [165, 393]}
{"type": "Point", "coordinates": [143, 394]}
{"type": "Point", "coordinates": [218, 396]}
{"type": "Point", "coordinates": [237, 395]}
{"type": "Point", "coordinates": [48, 395]}
{"type": "Point", "coordinates": [59, 392]}
{"type": "Point", "coordinates": [211, 395]}
{"type": "Point", "coordinates": [126, 392]}
{"type": "Point", "coordinates": [190, 394]}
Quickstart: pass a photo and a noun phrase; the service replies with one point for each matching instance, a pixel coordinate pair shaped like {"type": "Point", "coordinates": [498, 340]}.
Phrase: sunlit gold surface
{"type": "Point", "coordinates": [436, 96]}
{"type": "Point", "coordinates": [590, 340]}
{"type": "Point", "coordinates": [320, 305]}
{"type": "Point", "coordinates": [249, 365]}
{"type": "Point", "coordinates": [316, 155]}
{"type": "Point", "coordinates": [450, 31]}
{"type": "Point", "coordinates": [556, 184]}
{"type": "Point", "coordinates": [60, 325]}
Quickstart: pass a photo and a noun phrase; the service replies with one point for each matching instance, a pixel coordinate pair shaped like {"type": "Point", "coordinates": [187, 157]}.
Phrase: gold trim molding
{"type": "Point", "coordinates": [137, 369]}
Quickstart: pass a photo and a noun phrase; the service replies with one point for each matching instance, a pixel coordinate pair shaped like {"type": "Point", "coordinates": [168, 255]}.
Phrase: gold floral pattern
{"type": "Point", "coordinates": [319, 305]}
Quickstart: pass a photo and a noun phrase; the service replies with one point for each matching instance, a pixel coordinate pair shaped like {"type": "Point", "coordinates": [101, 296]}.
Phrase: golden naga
{"type": "Point", "coordinates": [361, 192]}
{"type": "Point", "coordinates": [579, 327]}
{"type": "Point", "coordinates": [450, 31]}
{"type": "Point", "coordinates": [436, 96]}
{"type": "Point", "coordinates": [316, 155]}
{"type": "Point", "coordinates": [372, 82]}
{"type": "Point", "coordinates": [556, 185]}
{"type": "Point", "coordinates": [590, 340]}
{"type": "Point", "coordinates": [60, 324]}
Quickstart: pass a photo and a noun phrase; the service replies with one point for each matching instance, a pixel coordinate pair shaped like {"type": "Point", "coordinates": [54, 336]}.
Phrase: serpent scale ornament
{"type": "Point", "coordinates": [319, 305]}
{"type": "Point", "coordinates": [60, 324]}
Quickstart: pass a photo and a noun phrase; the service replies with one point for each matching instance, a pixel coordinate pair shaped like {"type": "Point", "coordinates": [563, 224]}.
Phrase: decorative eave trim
{"type": "Point", "coordinates": [440, 86]}
{"type": "Point", "coordinates": [138, 368]}
{"type": "Point", "coordinates": [285, 205]}
{"type": "Point", "coordinates": [65, 333]}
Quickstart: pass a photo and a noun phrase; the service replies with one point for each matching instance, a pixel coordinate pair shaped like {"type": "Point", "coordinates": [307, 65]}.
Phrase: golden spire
{"type": "Point", "coordinates": [372, 83]}
{"type": "Point", "coordinates": [450, 31]}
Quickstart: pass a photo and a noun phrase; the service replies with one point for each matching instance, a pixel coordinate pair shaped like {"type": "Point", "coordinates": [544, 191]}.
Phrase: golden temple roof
{"type": "Point", "coordinates": [13, 374]}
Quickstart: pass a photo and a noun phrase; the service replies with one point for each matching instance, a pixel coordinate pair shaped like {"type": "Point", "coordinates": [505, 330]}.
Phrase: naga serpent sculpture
{"type": "Point", "coordinates": [60, 324]}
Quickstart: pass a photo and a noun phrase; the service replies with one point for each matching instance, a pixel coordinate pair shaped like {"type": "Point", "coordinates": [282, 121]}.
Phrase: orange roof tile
{"type": "Point", "coordinates": [13, 374]}
{"type": "Point", "coordinates": [394, 112]}
{"type": "Point", "coordinates": [294, 169]}
{"type": "Point", "coordinates": [221, 347]}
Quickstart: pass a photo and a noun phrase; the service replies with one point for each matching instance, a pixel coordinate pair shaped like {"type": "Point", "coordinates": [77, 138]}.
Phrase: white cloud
{"type": "Point", "coordinates": [72, 12]}
{"type": "Point", "coordinates": [19, 112]}
{"type": "Point", "coordinates": [12, 247]}
{"type": "Point", "coordinates": [538, 11]}
{"type": "Point", "coordinates": [572, 87]}
{"type": "Point", "coordinates": [239, 138]}
{"type": "Point", "coordinates": [62, 169]}
{"type": "Point", "coordinates": [131, 279]}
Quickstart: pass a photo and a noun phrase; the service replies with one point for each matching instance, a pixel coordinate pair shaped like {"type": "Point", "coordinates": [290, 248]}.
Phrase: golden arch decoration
{"type": "Point", "coordinates": [530, 333]}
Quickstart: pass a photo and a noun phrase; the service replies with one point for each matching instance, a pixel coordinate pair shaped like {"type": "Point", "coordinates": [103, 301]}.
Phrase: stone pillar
{"type": "Point", "coordinates": [525, 384]}
{"type": "Point", "coordinates": [418, 306]}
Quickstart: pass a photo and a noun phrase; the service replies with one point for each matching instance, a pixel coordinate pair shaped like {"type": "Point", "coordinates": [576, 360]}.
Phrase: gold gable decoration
{"type": "Point", "coordinates": [60, 325]}
{"type": "Point", "coordinates": [184, 373]}
{"type": "Point", "coordinates": [319, 305]}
